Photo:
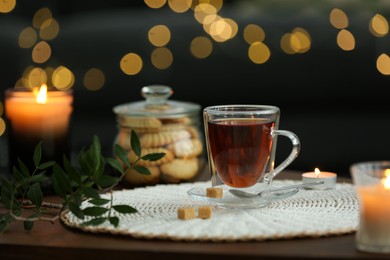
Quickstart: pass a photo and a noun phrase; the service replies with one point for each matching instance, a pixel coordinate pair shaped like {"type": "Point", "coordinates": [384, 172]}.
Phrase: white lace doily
{"type": "Point", "coordinates": [309, 213]}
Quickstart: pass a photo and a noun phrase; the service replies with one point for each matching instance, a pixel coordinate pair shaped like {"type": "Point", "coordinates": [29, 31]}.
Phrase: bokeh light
{"type": "Point", "coordinates": [338, 18]}
{"type": "Point", "coordinates": [41, 52]}
{"type": "Point", "coordinates": [159, 35]}
{"type": "Point", "coordinates": [304, 40]}
{"type": "Point", "coordinates": [298, 41]}
{"type": "Point", "coordinates": [7, 6]}
{"type": "Point", "coordinates": [162, 58]}
{"type": "Point", "coordinates": [253, 33]}
{"type": "Point", "coordinates": [205, 13]}
{"type": "Point", "coordinates": [379, 26]}
{"type": "Point", "coordinates": [234, 27]}
{"type": "Point", "coordinates": [34, 77]}
{"type": "Point", "coordinates": [209, 21]}
{"type": "Point", "coordinates": [222, 29]}
{"type": "Point", "coordinates": [179, 6]}
{"type": "Point", "coordinates": [217, 4]}
{"type": "Point", "coordinates": [155, 4]}
{"type": "Point", "coordinates": [27, 38]}
{"type": "Point", "coordinates": [2, 126]}
{"type": "Point", "coordinates": [383, 64]}
{"type": "Point", "coordinates": [259, 53]}
{"type": "Point", "coordinates": [346, 40]}
{"type": "Point", "coordinates": [94, 79]}
{"type": "Point", "coordinates": [41, 16]}
{"type": "Point", "coordinates": [287, 41]}
{"type": "Point", "coordinates": [131, 64]}
{"type": "Point", "coordinates": [1, 108]}
{"type": "Point", "coordinates": [49, 29]}
{"type": "Point", "coordinates": [62, 78]}
{"type": "Point", "coordinates": [201, 47]}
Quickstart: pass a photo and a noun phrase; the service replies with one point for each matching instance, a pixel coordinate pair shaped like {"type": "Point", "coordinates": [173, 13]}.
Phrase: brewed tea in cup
{"type": "Point", "coordinates": [241, 144]}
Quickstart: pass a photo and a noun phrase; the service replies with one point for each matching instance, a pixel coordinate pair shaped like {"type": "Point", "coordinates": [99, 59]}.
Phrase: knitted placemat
{"type": "Point", "coordinates": [309, 213]}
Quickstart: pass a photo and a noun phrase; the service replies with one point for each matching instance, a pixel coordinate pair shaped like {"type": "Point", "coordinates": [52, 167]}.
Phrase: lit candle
{"type": "Point", "coordinates": [36, 116]}
{"type": "Point", "coordinates": [329, 179]}
{"type": "Point", "coordinates": [374, 226]}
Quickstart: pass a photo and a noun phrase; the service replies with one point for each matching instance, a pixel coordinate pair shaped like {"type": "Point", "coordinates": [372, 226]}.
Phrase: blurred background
{"type": "Point", "coordinates": [325, 63]}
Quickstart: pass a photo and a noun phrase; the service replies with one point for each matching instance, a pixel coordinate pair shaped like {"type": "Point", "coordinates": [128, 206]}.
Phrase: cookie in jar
{"type": "Point", "coordinates": [162, 126]}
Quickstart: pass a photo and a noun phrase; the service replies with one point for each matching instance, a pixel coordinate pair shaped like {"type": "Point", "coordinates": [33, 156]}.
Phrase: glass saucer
{"type": "Point", "coordinates": [228, 200]}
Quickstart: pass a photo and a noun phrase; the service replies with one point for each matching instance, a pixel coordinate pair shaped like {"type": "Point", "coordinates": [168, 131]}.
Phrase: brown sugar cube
{"type": "Point", "coordinates": [186, 213]}
{"type": "Point", "coordinates": [204, 212]}
{"type": "Point", "coordinates": [214, 192]}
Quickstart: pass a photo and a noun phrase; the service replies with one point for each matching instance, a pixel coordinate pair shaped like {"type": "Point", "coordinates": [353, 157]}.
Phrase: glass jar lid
{"type": "Point", "coordinates": [156, 104]}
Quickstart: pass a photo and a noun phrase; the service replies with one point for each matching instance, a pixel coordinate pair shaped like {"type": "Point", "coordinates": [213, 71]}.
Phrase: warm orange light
{"type": "Point", "coordinates": [386, 180]}
{"type": "Point", "coordinates": [317, 172]}
{"type": "Point", "coordinates": [42, 94]}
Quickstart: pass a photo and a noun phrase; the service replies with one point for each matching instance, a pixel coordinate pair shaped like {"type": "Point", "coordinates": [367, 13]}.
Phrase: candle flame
{"type": "Point", "coordinates": [42, 95]}
{"type": "Point", "coordinates": [317, 172]}
{"type": "Point", "coordinates": [386, 180]}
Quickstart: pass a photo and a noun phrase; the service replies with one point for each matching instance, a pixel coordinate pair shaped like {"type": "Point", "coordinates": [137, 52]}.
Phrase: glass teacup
{"type": "Point", "coordinates": [241, 144]}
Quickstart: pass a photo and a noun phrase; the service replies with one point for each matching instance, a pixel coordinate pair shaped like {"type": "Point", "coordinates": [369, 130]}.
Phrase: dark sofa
{"type": "Point", "coordinates": [334, 100]}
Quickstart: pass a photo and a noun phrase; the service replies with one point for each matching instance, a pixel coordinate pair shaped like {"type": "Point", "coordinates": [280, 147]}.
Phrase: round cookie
{"type": "Point", "coordinates": [186, 148]}
{"type": "Point", "coordinates": [163, 138]}
{"type": "Point", "coordinates": [137, 179]}
{"type": "Point", "coordinates": [140, 122]}
{"type": "Point", "coordinates": [181, 169]}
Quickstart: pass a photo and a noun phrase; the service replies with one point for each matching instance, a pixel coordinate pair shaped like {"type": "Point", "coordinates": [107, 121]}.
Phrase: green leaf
{"type": "Point", "coordinates": [7, 194]}
{"type": "Point", "coordinates": [18, 175]}
{"type": "Point", "coordinates": [86, 164]}
{"type": "Point", "coordinates": [61, 182]}
{"type": "Point", "coordinates": [90, 192]}
{"type": "Point", "coordinates": [5, 220]}
{"type": "Point", "coordinates": [153, 156]}
{"type": "Point", "coordinates": [36, 178]}
{"type": "Point", "coordinates": [95, 211]}
{"type": "Point", "coordinates": [34, 194]}
{"type": "Point", "coordinates": [135, 143]}
{"type": "Point", "coordinates": [115, 164]}
{"type": "Point", "coordinates": [71, 171]}
{"type": "Point", "coordinates": [78, 198]}
{"type": "Point", "coordinates": [37, 154]}
{"type": "Point", "coordinates": [5, 217]}
{"type": "Point", "coordinates": [122, 155]}
{"type": "Point", "coordinates": [23, 168]}
{"type": "Point", "coordinates": [95, 158]}
{"type": "Point", "coordinates": [94, 222]}
{"type": "Point", "coordinates": [99, 202]}
{"type": "Point", "coordinates": [46, 165]}
{"type": "Point", "coordinates": [91, 161]}
{"type": "Point", "coordinates": [114, 221]}
{"type": "Point", "coordinates": [125, 209]}
{"type": "Point", "coordinates": [28, 225]}
{"type": "Point", "coordinates": [75, 209]}
{"type": "Point", "coordinates": [106, 181]}
{"type": "Point", "coordinates": [141, 169]}
{"type": "Point", "coordinates": [3, 227]}
{"type": "Point", "coordinates": [84, 178]}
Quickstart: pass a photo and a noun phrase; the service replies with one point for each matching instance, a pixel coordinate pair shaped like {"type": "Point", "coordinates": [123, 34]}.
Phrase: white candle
{"type": "Point", "coordinates": [374, 226]}
{"type": "Point", "coordinates": [35, 117]}
{"type": "Point", "coordinates": [329, 179]}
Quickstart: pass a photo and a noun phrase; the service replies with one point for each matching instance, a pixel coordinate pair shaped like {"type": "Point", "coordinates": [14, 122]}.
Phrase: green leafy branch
{"type": "Point", "coordinates": [78, 185]}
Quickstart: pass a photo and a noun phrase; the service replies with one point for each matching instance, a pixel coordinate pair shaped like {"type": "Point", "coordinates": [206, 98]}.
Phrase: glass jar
{"type": "Point", "coordinates": [162, 126]}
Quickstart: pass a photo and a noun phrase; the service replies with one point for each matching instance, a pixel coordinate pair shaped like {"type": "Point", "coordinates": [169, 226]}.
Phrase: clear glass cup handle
{"type": "Point", "coordinates": [296, 147]}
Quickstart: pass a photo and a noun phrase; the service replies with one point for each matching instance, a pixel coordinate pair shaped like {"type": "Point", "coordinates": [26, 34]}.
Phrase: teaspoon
{"type": "Point", "coordinates": [244, 194]}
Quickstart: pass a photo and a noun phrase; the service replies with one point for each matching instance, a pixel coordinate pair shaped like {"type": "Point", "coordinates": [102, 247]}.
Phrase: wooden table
{"type": "Point", "coordinates": [56, 241]}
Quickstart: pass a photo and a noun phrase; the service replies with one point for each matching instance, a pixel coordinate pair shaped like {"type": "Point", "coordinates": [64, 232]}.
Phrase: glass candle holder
{"type": "Point", "coordinates": [372, 182]}
{"type": "Point", "coordinates": [32, 119]}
